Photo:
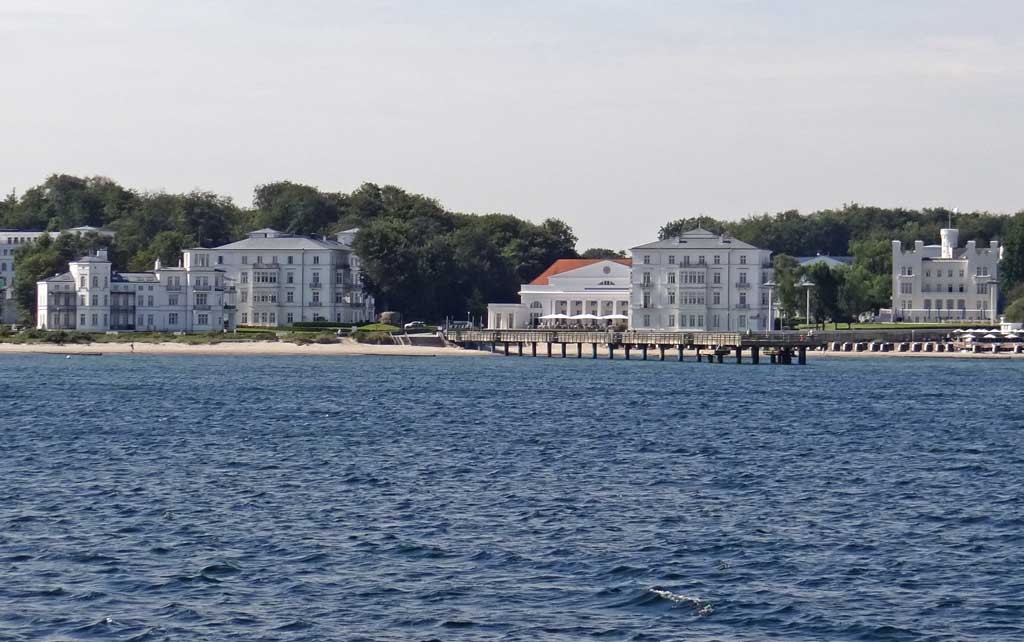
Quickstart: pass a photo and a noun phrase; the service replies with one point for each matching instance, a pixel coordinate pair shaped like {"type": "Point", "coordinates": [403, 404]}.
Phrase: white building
{"type": "Point", "coordinates": [940, 282]}
{"type": "Point", "coordinates": [569, 287]}
{"type": "Point", "coordinates": [10, 241]}
{"type": "Point", "coordinates": [92, 297]}
{"type": "Point", "coordinates": [283, 278]}
{"type": "Point", "coordinates": [700, 281]}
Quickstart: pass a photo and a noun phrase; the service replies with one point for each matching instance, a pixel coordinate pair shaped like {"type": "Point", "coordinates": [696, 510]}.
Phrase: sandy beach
{"type": "Point", "coordinates": [255, 348]}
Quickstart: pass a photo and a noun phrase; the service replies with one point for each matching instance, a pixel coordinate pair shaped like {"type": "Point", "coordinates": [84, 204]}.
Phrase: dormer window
{"type": "Point", "coordinates": [606, 283]}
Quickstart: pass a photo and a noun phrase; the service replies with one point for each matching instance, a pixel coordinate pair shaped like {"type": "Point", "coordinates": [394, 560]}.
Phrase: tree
{"type": "Point", "coordinates": [1015, 311]}
{"type": "Point", "coordinates": [1011, 268]}
{"type": "Point", "coordinates": [602, 253]}
{"type": "Point", "coordinates": [787, 271]}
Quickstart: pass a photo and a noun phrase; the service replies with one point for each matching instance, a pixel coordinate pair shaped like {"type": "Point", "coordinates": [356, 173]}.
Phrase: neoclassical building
{"type": "Point", "coordinates": [92, 297]}
{"type": "Point", "coordinates": [569, 288]}
{"type": "Point", "coordinates": [700, 281]}
{"type": "Point", "coordinates": [945, 282]}
{"type": "Point", "coordinates": [283, 278]}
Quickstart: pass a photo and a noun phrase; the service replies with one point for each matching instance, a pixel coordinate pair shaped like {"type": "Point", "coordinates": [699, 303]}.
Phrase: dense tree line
{"type": "Point", "coordinates": [865, 233]}
{"type": "Point", "coordinates": [428, 262]}
{"type": "Point", "coordinates": [417, 257]}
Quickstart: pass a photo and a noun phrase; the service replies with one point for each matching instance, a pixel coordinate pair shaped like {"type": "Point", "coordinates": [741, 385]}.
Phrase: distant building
{"type": "Point", "coordinates": [10, 241]}
{"type": "Point", "coordinates": [945, 282]}
{"type": "Point", "coordinates": [286, 278]}
{"type": "Point", "coordinates": [831, 261]}
{"type": "Point", "coordinates": [92, 297]}
{"type": "Point", "coordinates": [568, 288]}
{"type": "Point", "coordinates": [700, 281]}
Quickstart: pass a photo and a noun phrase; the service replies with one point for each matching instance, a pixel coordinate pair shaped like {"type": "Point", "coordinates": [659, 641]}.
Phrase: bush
{"type": "Point", "coordinates": [379, 327]}
{"type": "Point", "coordinates": [1015, 311]}
{"type": "Point", "coordinates": [377, 338]}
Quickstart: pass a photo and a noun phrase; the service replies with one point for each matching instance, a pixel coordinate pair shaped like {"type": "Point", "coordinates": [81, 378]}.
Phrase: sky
{"type": "Point", "coordinates": [615, 116]}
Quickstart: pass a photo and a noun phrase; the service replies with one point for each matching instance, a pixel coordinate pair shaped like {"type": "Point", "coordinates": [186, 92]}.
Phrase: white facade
{"type": "Point", "coordinates": [570, 287]}
{"type": "Point", "coordinates": [700, 281]}
{"type": "Point", "coordinates": [91, 297]}
{"type": "Point", "coordinates": [282, 279]}
{"type": "Point", "coordinates": [945, 282]}
{"type": "Point", "coordinates": [10, 241]}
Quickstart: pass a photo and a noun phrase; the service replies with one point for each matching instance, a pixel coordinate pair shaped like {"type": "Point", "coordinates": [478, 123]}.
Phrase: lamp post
{"type": "Point", "coordinates": [806, 285]}
{"type": "Point", "coordinates": [771, 285]}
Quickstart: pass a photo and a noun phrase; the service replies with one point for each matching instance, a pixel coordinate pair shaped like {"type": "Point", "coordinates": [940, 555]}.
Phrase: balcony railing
{"type": "Point", "coordinates": [201, 306]}
{"type": "Point", "coordinates": [315, 304]}
{"type": "Point", "coordinates": [743, 284]}
{"type": "Point", "coordinates": [315, 285]}
{"type": "Point", "coordinates": [201, 288]}
{"type": "Point", "coordinates": [742, 306]}
{"type": "Point", "coordinates": [174, 287]}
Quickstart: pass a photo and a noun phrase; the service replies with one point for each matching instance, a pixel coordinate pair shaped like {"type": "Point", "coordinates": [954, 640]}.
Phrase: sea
{"type": "Point", "coordinates": [186, 498]}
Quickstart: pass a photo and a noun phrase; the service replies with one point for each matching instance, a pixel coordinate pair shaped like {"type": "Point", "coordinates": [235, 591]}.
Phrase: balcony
{"type": "Point", "coordinates": [201, 288]}
{"type": "Point", "coordinates": [742, 306]}
{"type": "Point", "coordinates": [174, 287]}
{"type": "Point", "coordinates": [315, 285]}
{"type": "Point", "coordinates": [743, 284]}
{"type": "Point", "coordinates": [314, 304]}
{"type": "Point", "coordinates": [199, 306]}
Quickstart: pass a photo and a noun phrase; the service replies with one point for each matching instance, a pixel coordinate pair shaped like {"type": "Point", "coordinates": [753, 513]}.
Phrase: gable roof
{"type": "Point", "coordinates": [564, 265]}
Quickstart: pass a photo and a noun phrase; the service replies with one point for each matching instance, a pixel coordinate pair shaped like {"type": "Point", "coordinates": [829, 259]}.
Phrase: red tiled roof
{"type": "Point", "coordinates": [564, 265]}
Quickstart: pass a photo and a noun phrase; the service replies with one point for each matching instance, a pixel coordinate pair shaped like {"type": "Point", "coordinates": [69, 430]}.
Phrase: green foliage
{"type": "Point", "coordinates": [379, 327]}
{"type": "Point", "coordinates": [1015, 311]}
{"type": "Point", "coordinates": [1011, 269]}
{"type": "Point", "coordinates": [602, 253]}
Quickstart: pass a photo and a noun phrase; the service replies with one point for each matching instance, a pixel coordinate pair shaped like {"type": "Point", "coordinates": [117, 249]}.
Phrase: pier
{"type": "Point", "coordinates": [780, 348]}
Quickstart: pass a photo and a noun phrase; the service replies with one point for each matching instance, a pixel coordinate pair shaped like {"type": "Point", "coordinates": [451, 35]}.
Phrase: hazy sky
{"type": "Point", "coordinates": [614, 116]}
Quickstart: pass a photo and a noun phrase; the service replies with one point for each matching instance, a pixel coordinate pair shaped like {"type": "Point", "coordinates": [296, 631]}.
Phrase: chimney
{"type": "Point", "coordinates": [102, 253]}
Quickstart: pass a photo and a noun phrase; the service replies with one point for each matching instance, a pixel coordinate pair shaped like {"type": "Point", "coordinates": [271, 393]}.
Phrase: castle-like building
{"type": "Point", "coordinates": [945, 282]}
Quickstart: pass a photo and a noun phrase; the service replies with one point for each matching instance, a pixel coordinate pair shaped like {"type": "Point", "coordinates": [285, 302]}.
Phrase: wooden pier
{"type": "Point", "coordinates": [713, 347]}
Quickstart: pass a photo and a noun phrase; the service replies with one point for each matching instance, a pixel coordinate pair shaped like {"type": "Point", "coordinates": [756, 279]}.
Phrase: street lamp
{"type": "Point", "coordinates": [771, 285]}
{"type": "Point", "coordinates": [806, 285]}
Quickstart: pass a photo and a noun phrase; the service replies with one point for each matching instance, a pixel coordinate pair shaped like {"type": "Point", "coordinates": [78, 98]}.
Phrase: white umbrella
{"type": "Point", "coordinates": [614, 316]}
{"type": "Point", "coordinates": [967, 336]}
{"type": "Point", "coordinates": [555, 316]}
{"type": "Point", "coordinates": [1010, 336]}
{"type": "Point", "coordinates": [990, 336]}
{"type": "Point", "coordinates": [584, 316]}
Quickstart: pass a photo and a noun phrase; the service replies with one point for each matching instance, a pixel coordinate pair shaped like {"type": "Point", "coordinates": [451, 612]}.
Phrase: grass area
{"type": "Point", "coordinates": [378, 327]}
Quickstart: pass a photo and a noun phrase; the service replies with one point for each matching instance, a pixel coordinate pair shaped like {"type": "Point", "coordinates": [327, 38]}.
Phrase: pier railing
{"type": "Point", "coordinates": [638, 337]}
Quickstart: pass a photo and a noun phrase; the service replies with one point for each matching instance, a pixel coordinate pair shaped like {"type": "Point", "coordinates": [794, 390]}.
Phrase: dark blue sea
{"type": "Point", "coordinates": [372, 498]}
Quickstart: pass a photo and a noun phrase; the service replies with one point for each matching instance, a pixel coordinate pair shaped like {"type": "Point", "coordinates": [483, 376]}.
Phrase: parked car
{"type": "Point", "coordinates": [461, 325]}
{"type": "Point", "coordinates": [415, 324]}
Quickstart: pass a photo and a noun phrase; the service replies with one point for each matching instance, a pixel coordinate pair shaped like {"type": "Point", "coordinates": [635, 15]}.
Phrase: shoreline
{"type": "Point", "coordinates": [351, 348]}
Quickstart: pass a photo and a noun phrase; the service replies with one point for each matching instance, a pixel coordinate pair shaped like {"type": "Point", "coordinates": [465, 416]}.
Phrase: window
{"type": "Point", "coordinates": [742, 323]}
{"type": "Point", "coordinates": [743, 259]}
{"type": "Point", "coordinates": [81, 298]}
{"type": "Point", "coordinates": [291, 260]}
{"type": "Point", "coordinates": [245, 296]}
{"type": "Point", "coordinates": [646, 280]}
{"type": "Point", "coordinates": [290, 317]}
{"type": "Point", "coordinates": [671, 261]}
{"type": "Point", "coordinates": [717, 278]}
{"type": "Point", "coordinates": [647, 261]}
{"type": "Point", "coordinates": [700, 260]}
{"type": "Point", "coordinates": [671, 320]}
{"type": "Point", "coordinates": [203, 319]}
{"type": "Point", "coordinates": [906, 288]}
{"type": "Point", "coordinates": [149, 320]}
{"type": "Point", "coordinates": [150, 301]}
{"type": "Point", "coordinates": [717, 259]}
{"type": "Point", "coordinates": [716, 298]}
{"type": "Point", "coordinates": [291, 276]}
{"type": "Point", "coordinates": [94, 299]}
{"type": "Point", "coordinates": [172, 318]}
{"type": "Point", "coordinates": [693, 320]}
{"type": "Point", "coordinates": [700, 320]}
{"type": "Point", "coordinates": [316, 296]}
{"type": "Point", "coordinates": [172, 299]}
{"type": "Point", "coordinates": [647, 300]}
{"type": "Point", "coordinates": [105, 281]}
{"type": "Point", "coordinates": [220, 259]}
{"type": "Point", "coordinates": [743, 298]}
{"type": "Point", "coordinates": [245, 260]}
{"type": "Point", "coordinates": [927, 304]}
{"type": "Point", "coordinates": [200, 298]}
{"type": "Point", "coordinates": [139, 321]}
{"type": "Point", "coordinates": [671, 299]}
{"type": "Point", "coordinates": [273, 318]}
{"type": "Point", "coordinates": [273, 259]}
{"type": "Point", "coordinates": [316, 260]}
{"type": "Point", "coordinates": [290, 296]}
{"type": "Point", "coordinates": [672, 277]}
{"type": "Point", "coordinates": [647, 320]}
{"type": "Point", "coordinates": [714, 321]}
{"type": "Point", "coordinates": [82, 320]}
{"type": "Point", "coordinates": [743, 278]}
{"type": "Point", "coordinates": [245, 317]}
{"type": "Point", "coordinates": [95, 282]}
{"type": "Point", "coordinates": [95, 320]}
